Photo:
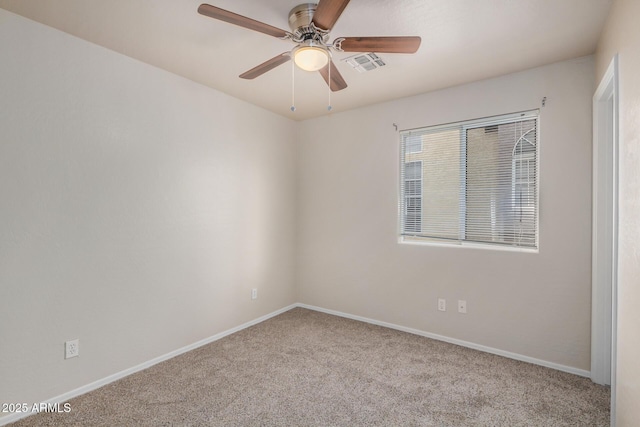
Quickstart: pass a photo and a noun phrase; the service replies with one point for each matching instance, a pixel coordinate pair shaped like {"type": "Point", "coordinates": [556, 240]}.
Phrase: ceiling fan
{"type": "Point", "coordinates": [310, 26]}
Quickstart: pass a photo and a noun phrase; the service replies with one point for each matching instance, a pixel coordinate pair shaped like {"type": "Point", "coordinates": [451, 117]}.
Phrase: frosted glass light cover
{"type": "Point", "coordinates": [311, 58]}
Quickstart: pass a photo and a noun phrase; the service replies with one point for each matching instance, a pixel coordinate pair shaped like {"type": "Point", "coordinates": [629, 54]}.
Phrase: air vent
{"type": "Point", "coordinates": [365, 62]}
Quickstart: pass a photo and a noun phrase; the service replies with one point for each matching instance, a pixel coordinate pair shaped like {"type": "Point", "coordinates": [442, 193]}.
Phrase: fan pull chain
{"type": "Point", "coordinates": [293, 86]}
{"type": "Point", "coordinates": [329, 106]}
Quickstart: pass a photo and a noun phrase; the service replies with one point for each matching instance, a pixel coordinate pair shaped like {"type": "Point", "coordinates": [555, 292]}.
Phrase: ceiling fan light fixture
{"type": "Point", "coordinates": [310, 25]}
{"type": "Point", "coordinates": [311, 57]}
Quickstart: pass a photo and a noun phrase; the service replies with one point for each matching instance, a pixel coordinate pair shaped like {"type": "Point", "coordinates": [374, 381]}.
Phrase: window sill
{"type": "Point", "coordinates": [405, 240]}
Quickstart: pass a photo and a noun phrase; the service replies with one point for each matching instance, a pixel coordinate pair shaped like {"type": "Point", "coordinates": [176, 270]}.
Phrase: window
{"type": "Point", "coordinates": [413, 196]}
{"type": "Point", "coordinates": [413, 144]}
{"type": "Point", "coordinates": [472, 182]}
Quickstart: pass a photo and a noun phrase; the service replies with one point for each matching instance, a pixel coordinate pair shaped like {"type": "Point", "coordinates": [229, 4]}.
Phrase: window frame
{"type": "Point", "coordinates": [403, 238]}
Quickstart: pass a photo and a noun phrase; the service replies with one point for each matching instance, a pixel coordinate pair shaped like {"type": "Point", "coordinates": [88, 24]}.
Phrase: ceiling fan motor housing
{"type": "Point", "coordinates": [300, 18]}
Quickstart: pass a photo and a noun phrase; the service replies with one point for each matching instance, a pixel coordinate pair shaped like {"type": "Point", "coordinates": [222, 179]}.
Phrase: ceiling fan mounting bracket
{"type": "Point", "coordinates": [337, 44]}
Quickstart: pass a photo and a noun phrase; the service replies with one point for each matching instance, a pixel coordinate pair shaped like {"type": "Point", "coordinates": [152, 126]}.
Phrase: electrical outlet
{"type": "Point", "coordinates": [442, 304]}
{"type": "Point", "coordinates": [462, 306]}
{"type": "Point", "coordinates": [72, 349]}
{"type": "Point", "coordinates": [254, 293]}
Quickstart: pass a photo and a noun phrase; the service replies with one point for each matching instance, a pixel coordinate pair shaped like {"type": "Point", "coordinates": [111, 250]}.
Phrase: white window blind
{"type": "Point", "coordinates": [473, 181]}
{"type": "Point", "coordinates": [413, 196]}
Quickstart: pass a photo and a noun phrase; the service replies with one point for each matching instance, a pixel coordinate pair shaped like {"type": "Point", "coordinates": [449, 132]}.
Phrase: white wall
{"type": "Point", "coordinates": [137, 211]}
{"type": "Point", "coordinates": [349, 259]}
{"type": "Point", "coordinates": [622, 35]}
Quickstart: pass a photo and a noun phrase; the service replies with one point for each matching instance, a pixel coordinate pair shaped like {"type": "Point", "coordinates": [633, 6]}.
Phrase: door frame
{"type": "Point", "coordinates": [605, 231]}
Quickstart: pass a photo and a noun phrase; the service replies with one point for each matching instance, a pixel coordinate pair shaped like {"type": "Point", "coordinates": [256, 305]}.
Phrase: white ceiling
{"type": "Point", "coordinates": [462, 41]}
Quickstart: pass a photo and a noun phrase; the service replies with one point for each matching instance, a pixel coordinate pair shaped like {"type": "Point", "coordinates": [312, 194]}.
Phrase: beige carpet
{"type": "Point", "coordinates": [305, 368]}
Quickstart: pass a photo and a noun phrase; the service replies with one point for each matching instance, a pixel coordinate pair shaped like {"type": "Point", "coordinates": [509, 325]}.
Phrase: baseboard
{"type": "Point", "coordinates": [111, 378]}
{"type": "Point", "coordinates": [462, 343]}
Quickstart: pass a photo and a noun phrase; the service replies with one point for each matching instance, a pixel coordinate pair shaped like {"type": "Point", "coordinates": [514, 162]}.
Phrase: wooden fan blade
{"type": "Point", "coordinates": [380, 44]}
{"type": "Point", "coordinates": [327, 13]}
{"type": "Point", "coordinates": [242, 21]}
{"type": "Point", "coordinates": [337, 81]}
{"type": "Point", "coordinates": [266, 66]}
